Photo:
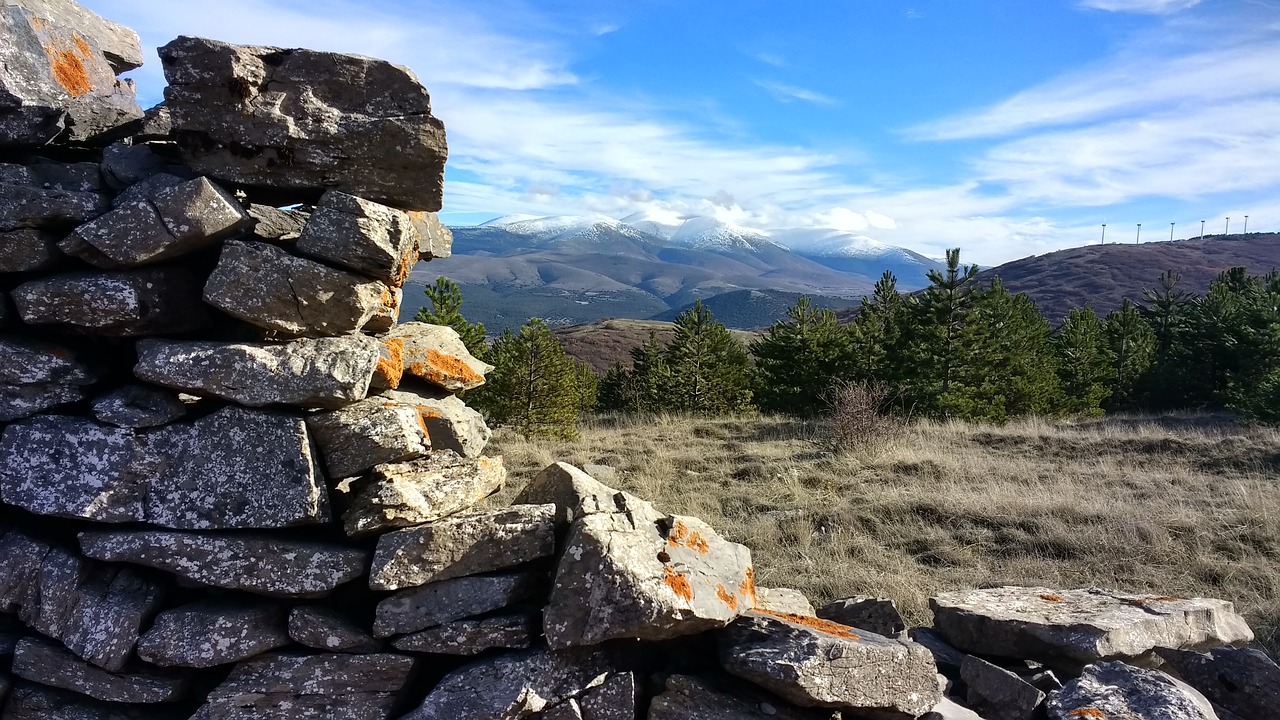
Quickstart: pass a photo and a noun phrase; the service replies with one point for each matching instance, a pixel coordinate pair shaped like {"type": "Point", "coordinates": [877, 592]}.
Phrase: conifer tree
{"type": "Point", "coordinates": [1085, 362]}
{"type": "Point", "coordinates": [1166, 311]}
{"type": "Point", "coordinates": [1133, 346]}
{"type": "Point", "coordinates": [612, 394]}
{"type": "Point", "coordinates": [800, 359]}
{"type": "Point", "coordinates": [710, 370]}
{"type": "Point", "coordinates": [878, 334]}
{"type": "Point", "coordinates": [648, 385]}
{"type": "Point", "coordinates": [446, 309]}
{"type": "Point", "coordinates": [587, 384]}
{"type": "Point", "coordinates": [940, 316]}
{"type": "Point", "coordinates": [533, 387]}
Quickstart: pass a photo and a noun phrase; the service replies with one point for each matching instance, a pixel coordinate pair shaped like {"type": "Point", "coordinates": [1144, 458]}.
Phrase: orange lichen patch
{"type": "Point", "coordinates": [406, 264]}
{"type": "Point", "coordinates": [678, 582]}
{"type": "Point", "coordinates": [82, 46]}
{"type": "Point", "coordinates": [440, 367]}
{"type": "Point", "coordinates": [1087, 713]}
{"type": "Point", "coordinates": [747, 588]}
{"type": "Point", "coordinates": [822, 626]}
{"type": "Point", "coordinates": [727, 597]}
{"type": "Point", "coordinates": [1052, 598]}
{"type": "Point", "coordinates": [391, 363]}
{"type": "Point", "coordinates": [68, 70]}
{"type": "Point", "coordinates": [678, 533]}
{"type": "Point", "coordinates": [696, 542]}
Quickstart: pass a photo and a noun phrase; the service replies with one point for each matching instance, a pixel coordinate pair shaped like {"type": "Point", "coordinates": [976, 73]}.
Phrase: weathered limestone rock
{"type": "Point", "coordinates": [138, 406]}
{"type": "Point", "coordinates": [266, 286]}
{"type": "Point", "coordinates": [576, 494]}
{"type": "Point", "coordinates": [466, 544]}
{"type": "Point", "coordinates": [567, 710]}
{"type": "Point", "coordinates": [298, 121]}
{"type": "Point", "coordinates": [147, 189]}
{"type": "Point", "coordinates": [997, 693]}
{"type": "Point", "coordinates": [691, 698]}
{"type": "Point", "coordinates": [19, 401]}
{"type": "Point", "coordinates": [176, 221]}
{"type": "Point", "coordinates": [96, 610]}
{"type": "Point", "coordinates": [288, 686]}
{"type": "Point", "coordinates": [947, 658]}
{"type": "Point", "coordinates": [361, 235]}
{"type": "Point", "coordinates": [451, 425]}
{"type": "Point", "coordinates": [124, 164]}
{"type": "Point", "coordinates": [56, 81]}
{"type": "Point", "coordinates": [474, 636]}
{"type": "Point", "coordinates": [321, 372]}
{"type": "Point", "coordinates": [236, 468]}
{"type": "Point", "coordinates": [818, 663]}
{"type": "Point", "coordinates": [120, 304]}
{"type": "Point", "coordinates": [118, 44]}
{"type": "Point", "coordinates": [879, 615]}
{"type": "Point", "coordinates": [32, 701]}
{"type": "Point", "coordinates": [324, 628]}
{"type": "Point", "coordinates": [389, 371]}
{"type": "Point", "coordinates": [443, 602]}
{"type": "Point", "coordinates": [1081, 625]}
{"type": "Point", "coordinates": [36, 376]}
{"type": "Point", "coordinates": [371, 432]}
{"type": "Point", "coordinates": [435, 241]}
{"type": "Point", "coordinates": [421, 491]}
{"type": "Point", "coordinates": [1242, 680]}
{"type": "Point", "coordinates": [387, 314]}
{"type": "Point", "coordinates": [209, 633]}
{"type": "Point", "coordinates": [784, 600]}
{"type": "Point", "coordinates": [262, 564]}
{"type": "Point", "coordinates": [514, 685]}
{"type": "Point", "coordinates": [640, 575]}
{"type": "Point", "coordinates": [436, 354]}
{"type": "Point", "coordinates": [28, 250]}
{"type": "Point", "coordinates": [1116, 690]}
{"type": "Point", "coordinates": [50, 195]}
{"type": "Point", "coordinates": [618, 698]}
{"type": "Point", "coordinates": [48, 663]}
{"type": "Point", "coordinates": [276, 224]}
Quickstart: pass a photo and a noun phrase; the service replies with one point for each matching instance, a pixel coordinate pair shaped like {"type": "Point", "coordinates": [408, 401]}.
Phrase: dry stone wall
{"type": "Point", "coordinates": [233, 485]}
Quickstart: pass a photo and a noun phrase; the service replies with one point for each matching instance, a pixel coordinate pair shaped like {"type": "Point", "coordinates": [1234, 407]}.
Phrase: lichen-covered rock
{"type": "Point", "coordinates": [33, 701]}
{"type": "Point", "coordinates": [361, 235]}
{"type": "Point", "coordinates": [124, 164]}
{"type": "Point", "coordinates": [287, 686]}
{"type": "Point", "coordinates": [367, 433]}
{"type": "Point", "coordinates": [320, 372]}
{"type": "Point", "coordinates": [117, 304]}
{"type": "Point", "coordinates": [36, 376]}
{"type": "Point", "coordinates": [443, 602]}
{"type": "Point", "coordinates": [998, 693]}
{"type": "Point", "coordinates": [466, 544]}
{"type": "Point", "coordinates": [576, 494]}
{"type": "Point", "coordinates": [48, 663]}
{"type": "Point", "coordinates": [324, 628]}
{"type": "Point", "coordinates": [1116, 690]}
{"type": "Point", "coordinates": [56, 81]}
{"type": "Point", "coordinates": [387, 314]}
{"type": "Point", "coordinates": [277, 225]}
{"type": "Point", "coordinates": [95, 610]}
{"type": "Point", "coordinates": [118, 44]}
{"type": "Point", "coordinates": [514, 685]}
{"type": "Point", "coordinates": [946, 657]}
{"type": "Point", "coordinates": [236, 468]}
{"type": "Point", "coordinates": [450, 423]}
{"type": "Point", "coordinates": [879, 615]}
{"type": "Point", "coordinates": [431, 488]}
{"type": "Point", "coordinates": [147, 189]}
{"type": "Point", "coordinates": [473, 636]}
{"type": "Point", "coordinates": [266, 286]}
{"type": "Point", "coordinates": [637, 574]}
{"type": "Point", "coordinates": [818, 663]}
{"type": "Point", "coordinates": [436, 354]}
{"type": "Point", "coordinates": [28, 250]}
{"type": "Point", "coordinates": [138, 406]}
{"type": "Point", "coordinates": [1242, 680]}
{"type": "Point", "coordinates": [300, 121]}
{"type": "Point", "coordinates": [435, 240]}
{"type": "Point", "coordinates": [262, 564]}
{"type": "Point", "coordinates": [212, 632]}
{"type": "Point", "coordinates": [785, 601]}
{"type": "Point", "coordinates": [50, 195]}
{"type": "Point", "coordinates": [691, 698]}
{"type": "Point", "coordinates": [1081, 625]}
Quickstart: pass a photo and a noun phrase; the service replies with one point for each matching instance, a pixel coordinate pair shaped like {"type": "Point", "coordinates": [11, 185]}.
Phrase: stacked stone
{"type": "Point", "coordinates": [232, 485]}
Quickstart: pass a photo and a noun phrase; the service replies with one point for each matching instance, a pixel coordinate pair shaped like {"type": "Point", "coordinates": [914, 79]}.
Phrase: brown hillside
{"type": "Point", "coordinates": [601, 344]}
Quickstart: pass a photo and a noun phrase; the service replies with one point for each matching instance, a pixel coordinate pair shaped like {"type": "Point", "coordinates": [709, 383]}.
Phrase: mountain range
{"type": "Point", "coordinates": [573, 269]}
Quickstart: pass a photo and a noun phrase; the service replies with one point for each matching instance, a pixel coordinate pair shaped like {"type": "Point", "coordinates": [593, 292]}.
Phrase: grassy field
{"type": "Point", "coordinates": [1169, 506]}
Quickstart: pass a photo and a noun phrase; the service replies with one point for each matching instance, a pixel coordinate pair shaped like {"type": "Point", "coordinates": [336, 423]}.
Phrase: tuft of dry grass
{"type": "Point", "coordinates": [1184, 506]}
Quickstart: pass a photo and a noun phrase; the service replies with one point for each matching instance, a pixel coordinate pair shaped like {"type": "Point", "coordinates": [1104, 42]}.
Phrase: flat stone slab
{"type": "Point", "coordinates": [287, 686]}
{"type": "Point", "coordinates": [1082, 625]}
{"type": "Point", "coordinates": [212, 632]}
{"type": "Point", "coordinates": [1116, 690]}
{"type": "Point", "coordinates": [138, 406]}
{"type": "Point", "coordinates": [435, 240]}
{"type": "Point", "coordinates": [361, 235]}
{"type": "Point", "coordinates": [37, 375]}
{"type": "Point", "coordinates": [448, 600]}
{"type": "Point", "coordinates": [367, 433]}
{"type": "Point", "coordinates": [474, 636]}
{"type": "Point", "coordinates": [115, 304]}
{"type": "Point", "coordinates": [686, 697]}
{"type": "Point", "coordinates": [32, 701]}
{"type": "Point", "coordinates": [466, 544]}
{"type": "Point", "coordinates": [277, 225]}
{"type": "Point", "coordinates": [420, 491]}
{"type": "Point", "coordinates": [236, 468]}
{"type": "Point", "coordinates": [95, 610]}
{"type": "Point", "coordinates": [998, 693]}
{"type": "Point", "coordinates": [321, 372]}
{"type": "Point", "coordinates": [50, 195]}
{"type": "Point", "coordinates": [324, 628]}
{"type": "Point", "coordinates": [300, 121]}
{"type": "Point", "coordinates": [450, 424]}
{"type": "Point", "coordinates": [264, 285]}
{"type": "Point", "coordinates": [818, 663]}
{"type": "Point", "coordinates": [28, 250]}
{"type": "Point", "coordinates": [1243, 680]}
{"type": "Point", "coordinates": [48, 663]}
{"type": "Point", "coordinates": [436, 354]}
{"type": "Point", "coordinates": [262, 564]}
{"type": "Point", "coordinates": [577, 494]}
{"type": "Point", "coordinates": [879, 615]}
{"type": "Point", "coordinates": [784, 600]}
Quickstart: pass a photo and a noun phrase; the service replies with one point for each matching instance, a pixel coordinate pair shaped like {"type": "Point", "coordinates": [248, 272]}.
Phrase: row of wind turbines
{"type": "Point", "coordinates": [1137, 236]}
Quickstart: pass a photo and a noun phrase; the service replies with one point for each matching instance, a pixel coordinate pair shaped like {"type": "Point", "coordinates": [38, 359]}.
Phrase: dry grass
{"type": "Point", "coordinates": [1167, 506]}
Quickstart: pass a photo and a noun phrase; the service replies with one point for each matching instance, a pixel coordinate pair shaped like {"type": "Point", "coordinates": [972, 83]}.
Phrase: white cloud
{"type": "Point", "coordinates": [1154, 7]}
{"type": "Point", "coordinates": [786, 93]}
{"type": "Point", "coordinates": [772, 59]}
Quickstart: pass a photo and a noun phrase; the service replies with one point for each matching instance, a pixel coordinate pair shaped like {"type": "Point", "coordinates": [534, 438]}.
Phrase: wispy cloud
{"type": "Point", "coordinates": [1154, 7]}
{"type": "Point", "coordinates": [789, 93]}
{"type": "Point", "coordinates": [772, 59]}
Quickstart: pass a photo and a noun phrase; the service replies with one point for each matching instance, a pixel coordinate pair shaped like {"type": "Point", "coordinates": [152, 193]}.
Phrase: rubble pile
{"type": "Point", "coordinates": [234, 485]}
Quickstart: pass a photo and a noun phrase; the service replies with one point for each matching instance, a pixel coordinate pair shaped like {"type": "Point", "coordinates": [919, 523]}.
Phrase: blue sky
{"type": "Point", "coordinates": [1004, 127]}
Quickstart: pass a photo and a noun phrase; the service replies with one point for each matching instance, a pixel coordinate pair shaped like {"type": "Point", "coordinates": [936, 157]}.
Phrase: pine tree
{"type": "Point", "coordinates": [1085, 363]}
{"type": "Point", "coordinates": [587, 384]}
{"type": "Point", "coordinates": [612, 394]}
{"type": "Point", "coordinates": [647, 387]}
{"type": "Point", "coordinates": [1166, 311]}
{"type": "Point", "coordinates": [1133, 346]}
{"type": "Point", "coordinates": [878, 334]}
{"type": "Point", "coordinates": [939, 315]}
{"type": "Point", "coordinates": [800, 359]}
{"type": "Point", "coordinates": [533, 387]}
{"type": "Point", "coordinates": [710, 370]}
{"type": "Point", "coordinates": [446, 309]}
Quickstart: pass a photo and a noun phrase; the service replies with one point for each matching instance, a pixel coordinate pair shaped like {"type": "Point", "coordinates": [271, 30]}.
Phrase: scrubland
{"type": "Point", "coordinates": [1177, 505]}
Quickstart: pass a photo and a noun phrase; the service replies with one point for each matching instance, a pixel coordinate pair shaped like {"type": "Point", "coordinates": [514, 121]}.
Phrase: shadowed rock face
{"type": "Point", "coordinates": [295, 121]}
{"type": "Point", "coordinates": [1116, 690]}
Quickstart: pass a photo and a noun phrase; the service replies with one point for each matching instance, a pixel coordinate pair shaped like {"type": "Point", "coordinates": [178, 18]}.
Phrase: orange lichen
{"type": "Point", "coordinates": [406, 264]}
{"type": "Point", "coordinates": [747, 588]}
{"type": "Point", "coordinates": [68, 70]}
{"type": "Point", "coordinates": [391, 363]}
{"type": "Point", "coordinates": [696, 542]}
{"type": "Point", "coordinates": [822, 626]}
{"type": "Point", "coordinates": [1087, 713]}
{"type": "Point", "coordinates": [727, 597]}
{"type": "Point", "coordinates": [440, 368]}
{"type": "Point", "coordinates": [678, 582]}
{"type": "Point", "coordinates": [83, 47]}
{"type": "Point", "coordinates": [677, 535]}
{"type": "Point", "coordinates": [1052, 598]}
